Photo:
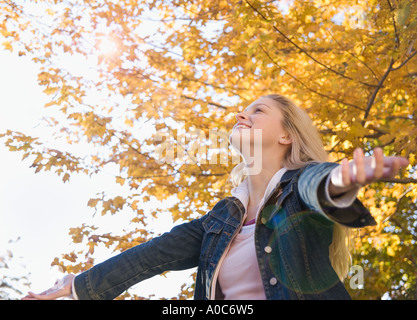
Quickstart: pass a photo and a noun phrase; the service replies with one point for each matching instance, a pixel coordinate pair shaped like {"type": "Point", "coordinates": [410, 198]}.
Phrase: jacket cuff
{"type": "Point", "coordinates": [344, 200]}
{"type": "Point", "coordinates": [80, 287]}
{"type": "Point", "coordinates": [73, 291]}
{"type": "Point", "coordinates": [312, 185]}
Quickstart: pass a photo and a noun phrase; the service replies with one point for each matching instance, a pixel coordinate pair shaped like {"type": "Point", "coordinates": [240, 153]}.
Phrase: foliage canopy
{"type": "Point", "coordinates": [171, 65]}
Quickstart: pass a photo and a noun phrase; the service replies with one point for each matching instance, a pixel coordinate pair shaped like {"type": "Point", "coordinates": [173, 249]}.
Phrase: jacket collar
{"type": "Point", "coordinates": [241, 192]}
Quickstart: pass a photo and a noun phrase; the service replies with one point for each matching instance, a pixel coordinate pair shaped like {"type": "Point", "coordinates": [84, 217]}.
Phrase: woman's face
{"type": "Point", "coordinates": [264, 115]}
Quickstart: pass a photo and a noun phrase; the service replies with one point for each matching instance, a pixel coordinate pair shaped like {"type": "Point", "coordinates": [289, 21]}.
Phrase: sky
{"type": "Point", "coordinates": [37, 210]}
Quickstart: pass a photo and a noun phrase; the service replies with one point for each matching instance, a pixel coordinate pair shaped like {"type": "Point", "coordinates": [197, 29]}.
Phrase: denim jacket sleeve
{"type": "Point", "coordinates": [110, 278]}
{"type": "Point", "coordinates": [311, 186]}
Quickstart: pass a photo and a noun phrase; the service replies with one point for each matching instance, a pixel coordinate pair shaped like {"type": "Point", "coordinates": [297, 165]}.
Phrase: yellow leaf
{"type": "Point", "coordinates": [92, 202]}
{"type": "Point", "coordinates": [7, 45]}
{"type": "Point", "coordinates": [66, 177]}
{"type": "Point", "coordinates": [119, 202]}
{"type": "Point", "coordinates": [120, 180]}
{"type": "Point", "coordinates": [391, 251]}
{"type": "Point", "coordinates": [50, 90]}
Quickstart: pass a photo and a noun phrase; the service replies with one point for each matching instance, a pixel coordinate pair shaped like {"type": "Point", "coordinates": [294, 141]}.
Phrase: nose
{"type": "Point", "coordinates": [241, 116]}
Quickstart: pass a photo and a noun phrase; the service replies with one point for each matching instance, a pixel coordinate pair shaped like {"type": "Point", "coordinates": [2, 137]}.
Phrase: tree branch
{"type": "Point", "coordinates": [372, 98]}
{"type": "Point", "coordinates": [390, 68]}
{"type": "Point", "coordinates": [407, 60]}
{"type": "Point", "coordinates": [304, 85]}
{"type": "Point", "coordinates": [305, 52]}
{"type": "Point", "coordinates": [397, 38]}
{"type": "Point", "coordinates": [402, 181]}
{"type": "Point", "coordinates": [354, 56]}
{"type": "Point", "coordinates": [210, 103]}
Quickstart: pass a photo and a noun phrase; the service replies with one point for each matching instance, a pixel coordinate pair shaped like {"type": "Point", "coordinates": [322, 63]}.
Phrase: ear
{"type": "Point", "coordinates": [285, 139]}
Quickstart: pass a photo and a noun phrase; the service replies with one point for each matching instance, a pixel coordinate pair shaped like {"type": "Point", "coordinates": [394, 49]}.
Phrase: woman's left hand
{"type": "Point", "coordinates": [62, 288]}
{"type": "Point", "coordinates": [364, 170]}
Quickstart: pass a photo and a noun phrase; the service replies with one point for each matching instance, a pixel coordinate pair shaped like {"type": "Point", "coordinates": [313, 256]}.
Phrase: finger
{"type": "Point", "coordinates": [345, 172]}
{"type": "Point", "coordinates": [392, 166]}
{"type": "Point", "coordinates": [395, 168]}
{"type": "Point", "coordinates": [46, 295]}
{"type": "Point", "coordinates": [402, 162]}
{"type": "Point", "coordinates": [33, 296]}
{"type": "Point", "coordinates": [28, 298]}
{"type": "Point", "coordinates": [388, 161]}
{"type": "Point", "coordinates": [38, 296]}
{"type": "Point", "coordinates": [379, 163]}
{"type": "Point", "coordinates": [360, 176]}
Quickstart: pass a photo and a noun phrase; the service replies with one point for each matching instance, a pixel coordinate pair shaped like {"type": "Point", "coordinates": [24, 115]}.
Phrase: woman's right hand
{"type": "Point", "coordinates": [62, 288]}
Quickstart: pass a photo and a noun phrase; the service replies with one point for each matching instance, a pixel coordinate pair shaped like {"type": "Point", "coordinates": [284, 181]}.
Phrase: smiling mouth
{"type": "Point", "coordinates": [243, 126]}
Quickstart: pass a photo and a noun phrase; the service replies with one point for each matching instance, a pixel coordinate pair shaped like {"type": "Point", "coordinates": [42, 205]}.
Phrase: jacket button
{"type": "Point", "coordinates": [273, 281]}
{"type": "Point", "coordinates": [268, 249]}
{"type": "Point", "coordinates": [263, 220]}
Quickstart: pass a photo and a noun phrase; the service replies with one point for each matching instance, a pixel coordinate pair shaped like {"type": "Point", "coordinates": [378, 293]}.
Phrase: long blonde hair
{"type": "Point", "coordinates": [306, 147]}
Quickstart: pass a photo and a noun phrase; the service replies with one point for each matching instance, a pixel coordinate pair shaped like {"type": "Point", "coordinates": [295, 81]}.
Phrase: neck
{"type": "Point", "coordinates": [257, 183]}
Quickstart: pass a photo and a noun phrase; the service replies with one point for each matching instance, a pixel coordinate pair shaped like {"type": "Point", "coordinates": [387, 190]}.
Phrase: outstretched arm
{"type": "Point", "coordinates": [178, 249]}
{"type": "Point", "coordinates": [364, 170]}
{"type": "Point", "coordinates": [320, 182]}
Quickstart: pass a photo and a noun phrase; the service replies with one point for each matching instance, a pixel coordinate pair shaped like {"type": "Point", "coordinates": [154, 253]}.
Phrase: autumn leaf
{"type": "Point", "coordinates": [120, 180]}
{"type": "Point", "coordinates": [93, 202]}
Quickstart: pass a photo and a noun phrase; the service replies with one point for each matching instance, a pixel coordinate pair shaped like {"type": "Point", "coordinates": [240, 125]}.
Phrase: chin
{"type": "Point", "coordinates": [237, 140]}
{"type": "Point", "coordinates": [246, 142]}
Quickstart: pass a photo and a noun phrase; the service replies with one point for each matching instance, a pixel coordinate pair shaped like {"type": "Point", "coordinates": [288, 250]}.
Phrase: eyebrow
{"type": "Point", "coordinates": [257, 105]}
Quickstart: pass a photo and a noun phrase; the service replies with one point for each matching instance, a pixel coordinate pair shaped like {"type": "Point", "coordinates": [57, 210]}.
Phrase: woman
{"type": "Point", "coordinates": [282, 233]}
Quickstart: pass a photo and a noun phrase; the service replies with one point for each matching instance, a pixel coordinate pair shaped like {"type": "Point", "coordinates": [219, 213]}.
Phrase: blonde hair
{"type": "Point", "coordinates": [307, 147]}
